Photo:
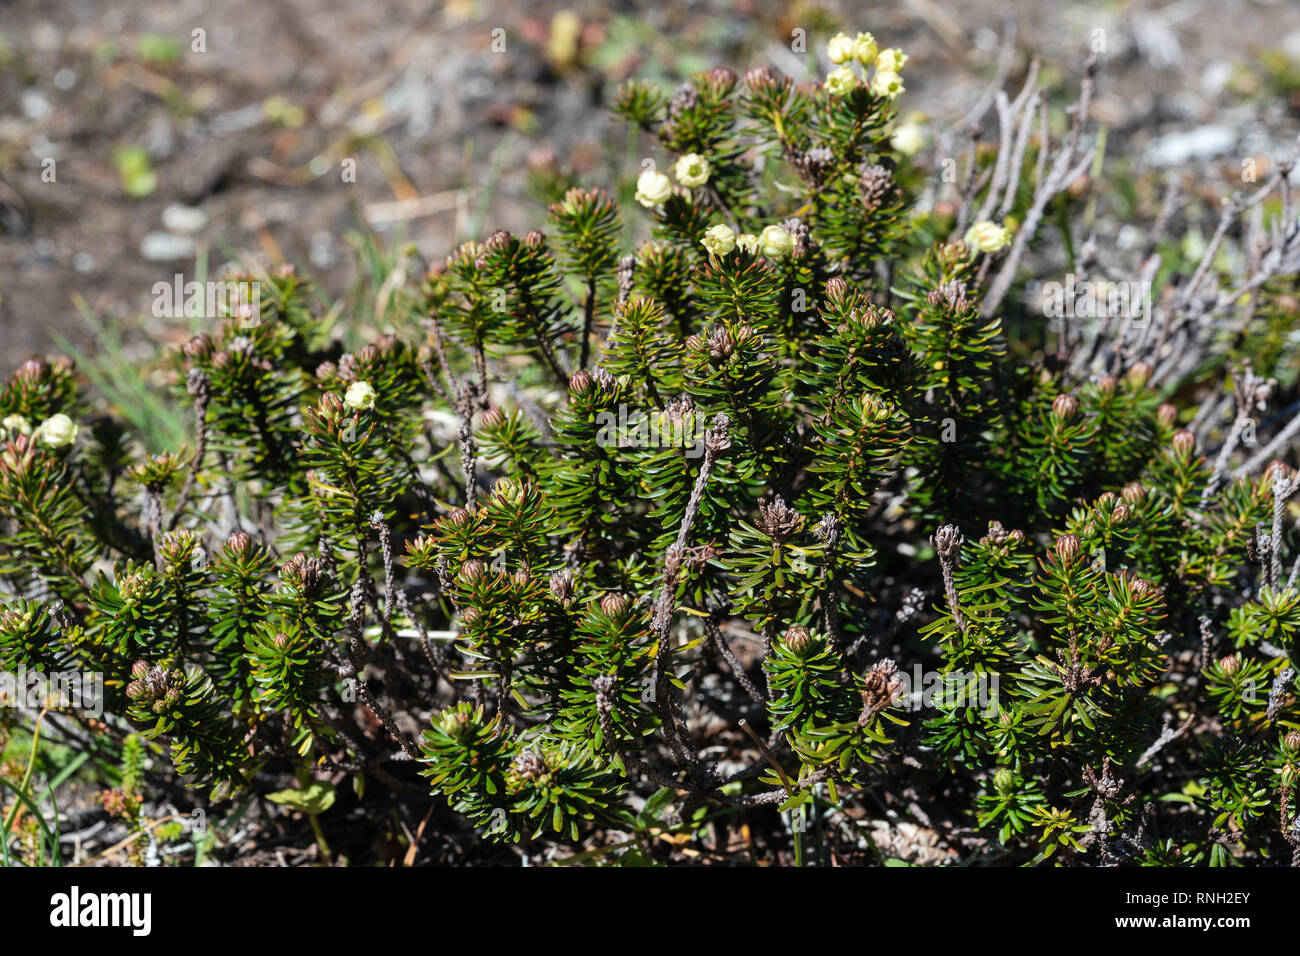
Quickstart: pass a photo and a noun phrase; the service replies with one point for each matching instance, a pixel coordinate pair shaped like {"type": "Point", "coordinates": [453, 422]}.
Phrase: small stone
{"type": "Point", "coordinates": [1204, 142]}
{"type": "Point", "coordinates": [166, 247]}
{"type": "Point", "coordinates": [178, 218]}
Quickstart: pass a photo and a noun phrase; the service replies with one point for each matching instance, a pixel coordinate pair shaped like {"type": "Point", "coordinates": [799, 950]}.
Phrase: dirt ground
{"type": "Point", "coordinates": [140, 140]}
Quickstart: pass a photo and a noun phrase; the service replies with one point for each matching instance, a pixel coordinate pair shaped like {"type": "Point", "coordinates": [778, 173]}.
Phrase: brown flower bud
{"type": "Point", "coordinates": [1166, 415]}
{"type": "Point", "coordinates": [494, 418]}
{"type": "Point", "coordinates": [1230, 665]}
{"type": "Point", "coordinates": [1106, 384]}
{"type": "Point", "coordinates": [1183, 442]}
{"type": "Point", "coordinates": [761, 78]}
{"type": "Point", "coordinates": [777, 520]}
{"type": "Point", "coordinates": [580, 382]}
{"type": "Point", "coordinates": [33, 370]}
{"type": "Point", "coordinates": [1068, 546]}
{"type": "Point", "coordinates": [721, 80]}
{"type": "Point", "coordinates": [199, 347]}
{"type": "Point", "coordinates": [1139, 374]}
{"type": "Point", "coordinates": [1142, 587]}
{"type": "Point", "coordinates": [1134, 492]}
{"type": "Point", "coordinates": [1065, 407]}
{"type": "Point", "coordinates": [615, 605]}
{"type": "Point", "coordinates": [562, 586]}
{"type": "Point", "coordinates": [1292, 741]}
{"type": "Point", "coordinates": [947, 541]}
{"type": "Point", "coordinates": [530, 765]}
{"type": "Point", "coordinates": [472, 571]}
{"type": "Point", "coordinates": [1277, 470]}
{"type": "Point", "coordinates": [799, 640]}
{"type": "Point", "coordinates": [239, 542]}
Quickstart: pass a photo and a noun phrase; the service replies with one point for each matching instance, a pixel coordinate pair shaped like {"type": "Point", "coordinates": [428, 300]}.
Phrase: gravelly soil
{"type": "Point", "coordinates": [416, 94]}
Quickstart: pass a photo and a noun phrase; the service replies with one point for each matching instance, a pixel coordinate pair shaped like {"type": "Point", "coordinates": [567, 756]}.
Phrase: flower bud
{"type": "Point", "coordinates": [761, 78]}
{"type": "Point", "coordinates": [493, 418]}
{"type": "Point", "coordinates": [580, 382]}
{"type": "Point", "coordinates": [199, 347]}
{"type": "Point", "coordinates": [799, 640]}
{"type": "Point", "coordinates": [721, 80]}
{"type": "Point", "coordinates": [1106, 384]}
{"type": "Point", "coordinates": [1004, 780]}
{"type": "Point", "coordinates": [562, 586]}
{"type": "Point", "coordinates": [1292, 741]}
{"type": "Point", "coordinates": [1134, 492]}
{"type": "Point", "coordinates": [1230, 665]}
{"type": "Point", "coordinates": [1277, 470]}
{"type": "Point", "coordinates": [1166, 415]}
{"type": "Point", "coordinates": [33, 370]}
{"type": "Point", "coordinates": [530, 765]}
{"type": "Point", "coordinates": [472, 571]}
{"type": "Point", "coordinates": [239, 542]}
{"type": "Point", "coordinates": [1067, 547]}
{"type": "Point", "coordinates": [1065, 407]}
{"type": "Point", "coordinates": [615, 605]}
{"type": "Point", "coordinates": [1139, 374]}
{"type": "Point", "coordinates": [1183, 442]}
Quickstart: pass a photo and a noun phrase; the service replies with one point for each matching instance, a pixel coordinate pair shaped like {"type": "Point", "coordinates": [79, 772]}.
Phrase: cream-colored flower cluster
{"type": "Point", "coordinates": [844, 51]}
{"type": "Point", "coordinates": [653, 188]}
{"type": "Point", "coordinates": [56, 431]}
{"type": "Point", "coordinates": [986, 236]}
{"type": "Point", "coordinates": [773, 242]}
